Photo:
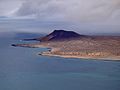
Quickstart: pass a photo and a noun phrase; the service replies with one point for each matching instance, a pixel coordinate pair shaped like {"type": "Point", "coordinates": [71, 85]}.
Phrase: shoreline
{"type": "Point", "coordinates": [52, 50]}
{"type": "Point", "coordinates": [82, 57]}
{"type": "Point", "coordinates": [87, 48]}
{"type": "Point", "coordinates": [78, 56]}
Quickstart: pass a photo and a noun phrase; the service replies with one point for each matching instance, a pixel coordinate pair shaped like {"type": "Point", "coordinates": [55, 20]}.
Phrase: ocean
{"type": "Point", "coordinates": [23, 69]}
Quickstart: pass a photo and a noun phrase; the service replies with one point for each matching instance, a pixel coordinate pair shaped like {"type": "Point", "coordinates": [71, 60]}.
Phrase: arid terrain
{"type": "Point", "coordinates": [100, 47]}
{"type": "Point", "coordinates": [95, 47]}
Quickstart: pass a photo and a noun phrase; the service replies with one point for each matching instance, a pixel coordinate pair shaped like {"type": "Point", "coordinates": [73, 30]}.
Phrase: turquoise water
{"type": "Point", "coordinates": [23, 69]}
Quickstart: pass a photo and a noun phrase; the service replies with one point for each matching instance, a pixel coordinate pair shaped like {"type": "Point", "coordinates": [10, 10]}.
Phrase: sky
{"type": "Point", "coordinates": [84, 16]}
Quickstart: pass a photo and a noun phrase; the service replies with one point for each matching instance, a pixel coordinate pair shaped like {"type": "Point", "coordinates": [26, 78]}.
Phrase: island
{"type": "Point", "coordinates": [69, 44]}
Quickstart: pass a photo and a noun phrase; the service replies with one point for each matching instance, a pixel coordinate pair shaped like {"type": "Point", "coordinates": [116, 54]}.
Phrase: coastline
{"type": "Point", "coordinates": [49, 53]}
{"type": "Point", "coordinates": [82, 57]}
{"type": "Point", "coordinates": [103, 48]}
{"type": "Point", "coordinates": [55, 50]}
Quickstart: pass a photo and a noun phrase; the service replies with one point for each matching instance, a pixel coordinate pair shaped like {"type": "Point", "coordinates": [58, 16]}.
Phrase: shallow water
{"type": "Point", "coordinates": [23, 69]}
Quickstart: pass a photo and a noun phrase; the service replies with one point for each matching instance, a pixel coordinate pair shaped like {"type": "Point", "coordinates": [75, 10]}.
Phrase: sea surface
{"type": "Point", "coordinates": [23, 69]}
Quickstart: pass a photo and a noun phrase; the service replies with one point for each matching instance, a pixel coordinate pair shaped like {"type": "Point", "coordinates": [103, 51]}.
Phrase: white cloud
{"type": "Point", "coordinates": [72, 10]}
{"type": "Point", "coordinates": [8, 6]}
{"type": "Point", "coordinates": [66, 10]}
{"type": "Point", "coordinates": [83, 15]}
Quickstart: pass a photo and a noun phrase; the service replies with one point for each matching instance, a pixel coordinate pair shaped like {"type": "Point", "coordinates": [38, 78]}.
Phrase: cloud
{"type": "Point", "coordinates": [65, 10]}
{"type": "Point", "coordinates": [80, 15]}
{"type": "Point", "coordinates": [42, 9]}
{"type": "Point", "coordinates": [8, 6]}
{"type": "Point", "coordinates": [71, 10]}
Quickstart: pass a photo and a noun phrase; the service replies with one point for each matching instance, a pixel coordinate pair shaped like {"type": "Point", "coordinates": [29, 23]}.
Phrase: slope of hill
{"type": "Point", "coordinates": [58, 35]}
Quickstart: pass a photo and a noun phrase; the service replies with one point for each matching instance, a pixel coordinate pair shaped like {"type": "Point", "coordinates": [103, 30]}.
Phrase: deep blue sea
{"type": "Point", "coordinates": [23, 69]}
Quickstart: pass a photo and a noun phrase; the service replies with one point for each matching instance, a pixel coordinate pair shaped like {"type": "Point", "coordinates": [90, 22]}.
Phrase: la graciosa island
{"type": "Point", "coordinates": [69, 44]}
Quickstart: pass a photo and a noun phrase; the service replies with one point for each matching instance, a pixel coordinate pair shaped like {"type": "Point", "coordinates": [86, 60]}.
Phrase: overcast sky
{"type": "Point", "coordinates": [86, 15]}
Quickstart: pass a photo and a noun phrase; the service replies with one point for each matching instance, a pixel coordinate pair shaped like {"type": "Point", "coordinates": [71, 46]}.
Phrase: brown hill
{"type": "Point", "coordinates": [58, 35]}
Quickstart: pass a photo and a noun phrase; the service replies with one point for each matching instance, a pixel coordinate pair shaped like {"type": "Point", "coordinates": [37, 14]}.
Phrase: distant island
{"type": "Point", "coordinates": [70, 44]}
